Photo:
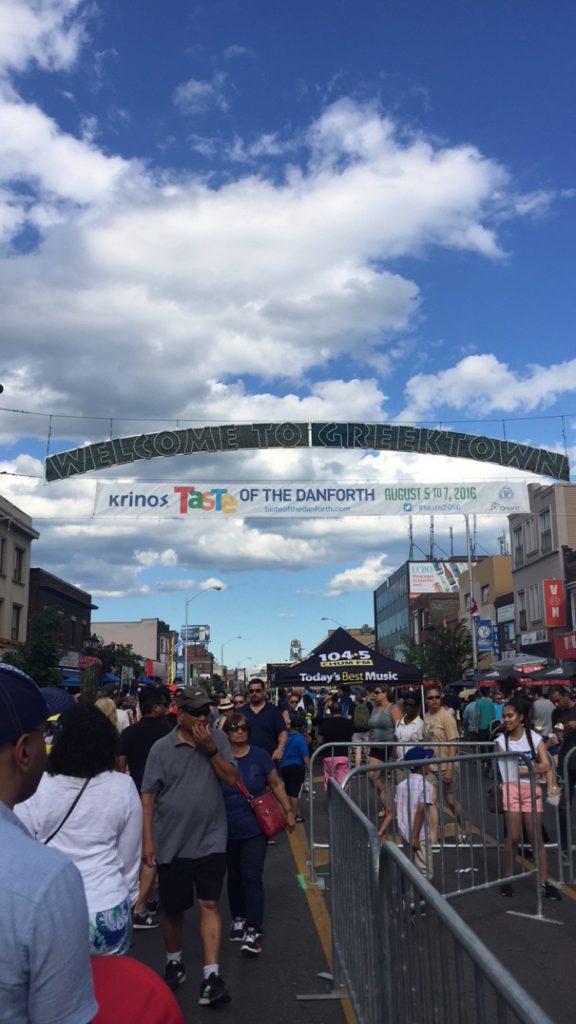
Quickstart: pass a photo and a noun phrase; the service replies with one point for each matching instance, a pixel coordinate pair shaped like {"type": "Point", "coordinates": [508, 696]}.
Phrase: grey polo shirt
{"type": "Point", "coordinates": [189, 812]}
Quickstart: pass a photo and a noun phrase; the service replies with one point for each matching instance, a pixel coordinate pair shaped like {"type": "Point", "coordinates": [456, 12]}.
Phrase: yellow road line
{"type": "Point", "coordinates": [317, 904]}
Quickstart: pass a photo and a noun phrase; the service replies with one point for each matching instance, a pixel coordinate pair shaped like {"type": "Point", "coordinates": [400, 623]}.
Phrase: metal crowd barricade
{"type": "Point", "coordinates": [401, 953]}
{"type": "Point", "coordinates": [365, 793]}
{"type": "Point", "coordinates": [475, 860]}
{"type": "Point", "coordinates": [565, 811]}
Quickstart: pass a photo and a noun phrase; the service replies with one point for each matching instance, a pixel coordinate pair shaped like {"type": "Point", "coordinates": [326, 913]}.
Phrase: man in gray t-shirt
{"type": "Point", "coordinates": [185, 833]}
{"type": "Point", "coordinates": [542, 709]}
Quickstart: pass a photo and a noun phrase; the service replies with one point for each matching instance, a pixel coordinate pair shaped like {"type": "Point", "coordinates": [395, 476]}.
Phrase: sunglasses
{"type": "Point", "coordinates": [196, 712]}
{"type": "Point", "coordinates": [237, 728]}
{"type": "Point", "coordinates": [239, 701]}
{"type": "Point", "coordinates": [434, 696]}
{"type": "Point", "coordinates": [259, 690]}
{"type": "Point", "coordinates": [292, 701]}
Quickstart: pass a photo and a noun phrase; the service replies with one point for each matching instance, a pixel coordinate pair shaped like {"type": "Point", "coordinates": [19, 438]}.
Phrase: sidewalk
{"type": "Point", "coordinates": [263, 988]}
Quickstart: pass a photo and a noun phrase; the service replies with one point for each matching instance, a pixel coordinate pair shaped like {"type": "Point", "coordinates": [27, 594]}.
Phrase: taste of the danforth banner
{"type": "Point", "coordinates": [301, 499]}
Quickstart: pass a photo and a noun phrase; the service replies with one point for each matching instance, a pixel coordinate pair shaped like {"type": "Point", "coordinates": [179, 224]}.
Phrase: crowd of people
{"type": "Point", "coordinates": [121, 816]}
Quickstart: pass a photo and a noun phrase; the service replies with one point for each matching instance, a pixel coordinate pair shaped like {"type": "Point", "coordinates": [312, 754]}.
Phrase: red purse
{"type": "Point", "coordinates": [269, 814]}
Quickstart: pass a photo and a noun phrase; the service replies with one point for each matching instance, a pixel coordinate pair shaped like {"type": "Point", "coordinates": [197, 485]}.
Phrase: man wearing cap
{"type": "Point", "coordinates": [185, 834]}
{"type": "Point", "coordinates": [45, 973]}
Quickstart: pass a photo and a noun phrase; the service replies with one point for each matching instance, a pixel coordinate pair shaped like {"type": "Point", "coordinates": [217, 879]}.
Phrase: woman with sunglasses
{"type": "Point", "coordinates": [247, 845]}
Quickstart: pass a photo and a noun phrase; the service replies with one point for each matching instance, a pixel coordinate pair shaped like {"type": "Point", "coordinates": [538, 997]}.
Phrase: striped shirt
{"type": "Point", "coordinates": [412, 791]}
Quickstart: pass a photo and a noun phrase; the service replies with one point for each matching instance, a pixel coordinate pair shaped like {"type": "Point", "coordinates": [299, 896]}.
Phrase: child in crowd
{"type": "Point", "coordinates": [414, 797]}
{"type": "Point", "coordinates": [295, 762]}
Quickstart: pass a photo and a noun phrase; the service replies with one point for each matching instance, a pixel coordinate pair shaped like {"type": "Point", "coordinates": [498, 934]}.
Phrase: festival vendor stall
{"type": "Point", "coordinates": [340, 660]}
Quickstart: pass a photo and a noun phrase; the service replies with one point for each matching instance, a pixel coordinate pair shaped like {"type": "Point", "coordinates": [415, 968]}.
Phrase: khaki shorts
{"type": "Point", "coordinates": [435, 777]}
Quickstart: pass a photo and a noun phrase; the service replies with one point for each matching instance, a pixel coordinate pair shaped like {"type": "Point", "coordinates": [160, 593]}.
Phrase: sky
{"type": "Point", "coordinates": [245, 211]}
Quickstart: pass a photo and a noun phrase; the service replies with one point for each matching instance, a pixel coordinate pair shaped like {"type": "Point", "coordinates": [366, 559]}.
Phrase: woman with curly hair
{"type": "Point", "coordinates": [93, 814]}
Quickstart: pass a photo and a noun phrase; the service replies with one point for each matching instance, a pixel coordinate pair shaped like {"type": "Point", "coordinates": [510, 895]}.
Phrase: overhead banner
{"type": "Point", "coordinates": [276, 500]}
{"type": "Point", "coordinates": [121, 451]}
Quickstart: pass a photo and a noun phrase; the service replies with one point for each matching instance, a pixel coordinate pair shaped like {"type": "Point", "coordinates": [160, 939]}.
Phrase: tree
{"type": "Point", "coordinates": [40, 655]}
{"type": "Point", "coordinates": [444, 655]}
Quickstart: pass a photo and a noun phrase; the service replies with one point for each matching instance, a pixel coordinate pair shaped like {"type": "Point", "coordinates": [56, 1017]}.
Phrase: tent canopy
{"type": "Point", "coordinates": [341, 660]}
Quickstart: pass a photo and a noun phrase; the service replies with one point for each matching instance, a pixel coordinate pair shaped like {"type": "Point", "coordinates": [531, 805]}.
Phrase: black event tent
{"type": "Point", "coordinates": [340, 660]}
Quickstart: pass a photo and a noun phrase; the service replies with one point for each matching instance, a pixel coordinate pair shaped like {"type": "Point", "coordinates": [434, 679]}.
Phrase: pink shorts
{"type": "Point", "coordinates": [516, 797]}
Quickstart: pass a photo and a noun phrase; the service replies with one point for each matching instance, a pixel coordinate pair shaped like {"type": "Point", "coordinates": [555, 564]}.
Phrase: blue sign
{"type": "Point", "coordinates": [486, 639]}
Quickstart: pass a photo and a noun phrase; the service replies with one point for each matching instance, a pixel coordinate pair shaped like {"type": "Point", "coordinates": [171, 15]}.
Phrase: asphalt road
{"type": "Point", "coordinates": [539, 954]}
{"type": "Point", "coordinates": [263, 988]}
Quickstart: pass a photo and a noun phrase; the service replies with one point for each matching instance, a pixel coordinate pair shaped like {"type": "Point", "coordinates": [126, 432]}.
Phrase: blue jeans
{"type": "Point", "coordinates": [245, 861]}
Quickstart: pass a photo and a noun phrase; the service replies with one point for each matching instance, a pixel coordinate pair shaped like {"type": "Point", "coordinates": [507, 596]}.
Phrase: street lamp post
{"type": "Point", "coordinates": [187, 602]}
{"type": "Point", "coordinates": [328, 618]}
{"type": "Point", "coordinates": [222, 646]}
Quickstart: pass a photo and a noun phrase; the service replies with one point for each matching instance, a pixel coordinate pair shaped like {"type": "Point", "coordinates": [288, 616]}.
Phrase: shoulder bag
{"type": "Point", "coordinates": [269, 814]}
{"type": "Point", "coordinates": [67, 815]}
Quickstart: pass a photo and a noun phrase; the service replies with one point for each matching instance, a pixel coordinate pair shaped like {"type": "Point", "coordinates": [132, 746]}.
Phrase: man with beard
{"type": "Point", "coordinates": [267, 725]}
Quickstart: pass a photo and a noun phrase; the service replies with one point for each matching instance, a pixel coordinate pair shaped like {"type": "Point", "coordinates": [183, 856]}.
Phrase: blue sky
{"type": "Point", "coordinates": [237, 212]}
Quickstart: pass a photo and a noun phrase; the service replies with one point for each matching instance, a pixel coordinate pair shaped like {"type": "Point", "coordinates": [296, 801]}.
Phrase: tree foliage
{"type": "Point", "coordinates": [40, 655]}
{"type": "Point", "coordinates": [115, 657]}
{"type": "Point", "coordinates": [444, 655]}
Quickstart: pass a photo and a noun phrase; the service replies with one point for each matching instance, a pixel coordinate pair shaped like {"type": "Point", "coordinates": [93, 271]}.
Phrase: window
{"type": "Point", "coordinates": [545, 528]}
{"type": "Point", "coordinates": [485, 595]}
{"type": "Point", "coordinates": [15, 627]}
{"type": "Point", "coordinates": [530, 536]}
{"type": "Point", "coordinates": [508, 632]}
{"type": "Point", "coordinates": [518, 546]}
{"type": "Point", "coordinates": [535, 602]}
{"type": "Point", "coordinates": [522, 609]}
{"type": "Point", "coordinates": [2, 555]}
{"type": "Point", "coordinates": [18, 564]}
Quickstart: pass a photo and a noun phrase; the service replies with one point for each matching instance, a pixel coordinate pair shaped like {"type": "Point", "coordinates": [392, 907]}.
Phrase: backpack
{"type": "Point", "coordinates": [360, 716]}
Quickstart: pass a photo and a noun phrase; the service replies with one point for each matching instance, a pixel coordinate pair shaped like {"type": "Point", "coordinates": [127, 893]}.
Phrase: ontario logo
{"type": "Point", "coordinates": [218, 499]}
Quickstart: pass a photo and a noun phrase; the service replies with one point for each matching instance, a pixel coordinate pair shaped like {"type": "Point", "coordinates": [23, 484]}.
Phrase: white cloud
{"type": "Point", "coordinates": [251, 277]}
{"type": "Point", "coordinates": [484, 384]}
{"type": "Point", "coordinates": [48, 33]}
{"type": "Point", "coordinates": [197, 96]}
{"type": "Point", "coordinates": [367, 576]}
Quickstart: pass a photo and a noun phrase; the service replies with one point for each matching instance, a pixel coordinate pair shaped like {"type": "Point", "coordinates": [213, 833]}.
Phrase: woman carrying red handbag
{"type": "Point", "coordinates": [247, 844]}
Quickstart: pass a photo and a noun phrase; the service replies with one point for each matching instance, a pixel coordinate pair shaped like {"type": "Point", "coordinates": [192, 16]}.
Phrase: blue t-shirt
{"type": "Point", "coordinates": [295, 751]}
{"type": "Point", "coordinates": [44, 963]}
{"type": "Point", "coordinates": [265, 726]}
{"type": "Point", "coordinates": [253, 769]}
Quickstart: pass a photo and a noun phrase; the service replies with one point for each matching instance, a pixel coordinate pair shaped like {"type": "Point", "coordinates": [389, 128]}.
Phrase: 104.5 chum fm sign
{"type": "Point", "coordinates": [276, 500]}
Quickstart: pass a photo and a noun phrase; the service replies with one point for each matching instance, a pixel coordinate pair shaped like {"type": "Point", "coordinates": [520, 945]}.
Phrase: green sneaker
{"type": "Point", "coordinates": [174, 975]}
{"type": "Point", "coordinates": [213, 991]}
